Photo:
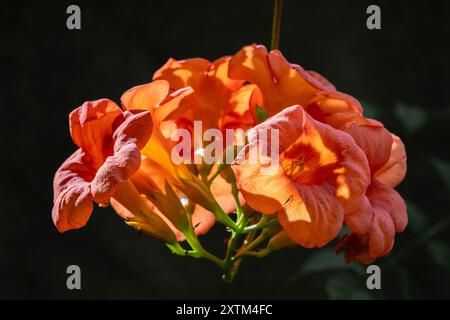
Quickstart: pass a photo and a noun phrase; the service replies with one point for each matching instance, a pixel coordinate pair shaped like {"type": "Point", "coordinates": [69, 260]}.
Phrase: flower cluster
{"type": "Point", "coordinates": [335, 167]}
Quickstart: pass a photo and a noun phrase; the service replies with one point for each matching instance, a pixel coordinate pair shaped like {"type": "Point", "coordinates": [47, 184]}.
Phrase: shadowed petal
{"type": "Point", "coordinates": [129, 137]}
{"type": "Point", "coordinates": [394, 171]}
{"type": "Point", "coordinates": [322, 174]}
{"type": "Point", "coordinates": [91, 128]}
{"type": "Point", "coordinates": [72, 196]}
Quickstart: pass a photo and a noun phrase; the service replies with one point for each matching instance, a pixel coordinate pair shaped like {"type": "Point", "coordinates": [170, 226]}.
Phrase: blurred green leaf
{"type": "Point", "coordinates": [261, 114]}
{"type": "Point", "coordinates": [327, 259]}
{"type": "Point", "coordinates": [416, 218]}
{"type": "Point", "coordinates": [443, 169]}
{"type": "Point", "coordinates": [422, 239]}
{"type": "Point", "coordinates": [440, 254]}
{"type": "Point", "coordinates": [371, 110]}
{"type": "Point", "coordinates": [412, 117]}
{"type": "Point", "coordinates": [344, 286]}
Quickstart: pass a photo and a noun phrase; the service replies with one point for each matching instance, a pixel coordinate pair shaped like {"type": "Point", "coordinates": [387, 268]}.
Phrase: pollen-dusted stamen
{"type": "Point", "coordinates": [294, 168]}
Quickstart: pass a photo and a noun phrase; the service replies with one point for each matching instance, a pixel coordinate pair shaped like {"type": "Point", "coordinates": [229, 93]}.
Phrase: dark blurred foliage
{"type": "Point", "coordinates": [401, 74]}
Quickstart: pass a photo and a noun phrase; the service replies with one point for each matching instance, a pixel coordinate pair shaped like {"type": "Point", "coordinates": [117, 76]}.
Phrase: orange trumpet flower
{"type": "Point", "coordinates": [322, 174]}
{"type": "Point", "coordinates": [280, 84]}
{"type": "Point", "coordinates": [109, 142]}
{"type": "Point", "coordinates": [158, 165]}
{"type": "Point", "coordinates": [213, 90]}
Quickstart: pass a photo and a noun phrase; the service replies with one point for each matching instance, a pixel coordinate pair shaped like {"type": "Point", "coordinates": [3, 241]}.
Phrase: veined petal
{"type": "Point", "coordinates": [281, 84]}
{"type": "Point", "coordinates": [91, 127]}
{"type": "Point", "coordinates": [313, 216]}
{"type": "Point", "coordinates": [182, 73]}
{"type": "Point", "coordinates": [243, 105]}
{"type": "Point", "coordinates": [72, 206]}
{"type": "Point", "coordinates": [322, 174]}
{"type": "Point", "coordinates": [394, 171]}
{"type": "Point", "coordinates": [146, 96]}
{"type": "Point", "coordinates": [369, 135]}
{"type": "Point", "coordinates": [212, 88]}
{"type": "Point", "coordinates": [361, 220]}
{"type": "Point", "coordinates": [385, 198]}
{"type": "Point", "coordinates": [389, 218]}
{"type": "Point", "coordinates": [326, 104]}
{"type": "Point", "coordinates": [155, 97]}
{"type": "Point", "coordinates": [129, 137]}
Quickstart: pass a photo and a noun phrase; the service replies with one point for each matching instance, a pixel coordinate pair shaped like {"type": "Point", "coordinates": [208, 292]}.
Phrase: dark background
{"type": "Point", "coordinates": [400, 73]}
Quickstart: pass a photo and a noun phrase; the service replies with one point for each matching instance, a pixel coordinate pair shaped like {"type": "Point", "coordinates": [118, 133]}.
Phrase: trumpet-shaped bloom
{"type": "Point", "coordinates": [332, 165]}
{"type": "Point", "coordinates": [374, 226]}
{"type": "Point", "coordinates": [213, 89]}
{"type": "Point", "coordinates": [322, 174]}
{"type": "Point", "coordinates": [158, 166]}
{"type": "Point", "coordinates": [109, 141]}
{"type": "Point", "coordinates": [387, 209]}
{"type": "Point", "coordinates": [280, 84]}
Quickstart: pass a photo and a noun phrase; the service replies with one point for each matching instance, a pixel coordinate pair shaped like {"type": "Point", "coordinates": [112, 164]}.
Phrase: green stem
{"type": "Point", "coordinates": [198, 251]}
{"type": "Point", "coordinates": [179, 250]}
{"type": "Point", "coordinates": [241, 221]}
{"type": "Point", "coordinates": [245, 250]}
{"type": "Point", "coordinates": [257, 254]}
{"type": "Point", "coordinates": [276, 24]}
{"type": "Point", "coordinates": [223, 218]}
{"type": "Point", "coordinates": [261, 224]}
{"type": "Point", "coordinates": [202, 252]}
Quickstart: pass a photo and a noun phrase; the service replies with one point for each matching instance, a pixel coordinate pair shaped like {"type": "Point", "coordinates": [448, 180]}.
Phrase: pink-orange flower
{"type": "Point", "coordinates": [212, 98]}
{"type": "Point", "coordinates": [109, 141]}
{"type": "Point", "coordinates": [280, 84]}
{"type": "Point", "coordinates": [322, 175]}
{"type": "Point", "coordinates": [335, 165]}
{"type": "Point", "coordinates": [158, 166]}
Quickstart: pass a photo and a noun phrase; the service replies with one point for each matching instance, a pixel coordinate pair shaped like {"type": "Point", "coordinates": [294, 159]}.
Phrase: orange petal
{"type": "Point", "coordinates": [361, 220]}
{"type": "Point", "coordinates": [140, 213]}
{"type": "Point", "coordinates": [281, 83]}
{"type": "Point", "coordinates": [171, 104]}
{"type": "Point", "coordinates": [369, 135]}
{"type": "Point", "coordinates": [72, 206]}
{"type": "Point", "coordinates": [385, 198]}
{"type": "Point", "coordinates": [212, 88]}
{"type": "Point", "coordinates": [313, 216]}
{"type": "Point", "coordinates": [132, 134]}
{"type": "Point", "coordinates": [326, 104]}
{"type": "Point", "coordinates": [381, 235]}
{"type": "Point", "coordinates": [318, 81]}
{"type": "Point", "coordinates": [91, 126]}
{"type": "Point", "coordinates": [146, 96]}
{"type": "Point", "coordinates": [183, 73]}
{"type": "Point", "coordinates": [202, 220]}
{"type": "Point", "coordinates": [243, 104]}
{"type": "Point", "coordinates": [389, 217]}
{"type": "Point", "coordinates": [322, 173]}
{"type": "Point", "coordinates": [394, 171]}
